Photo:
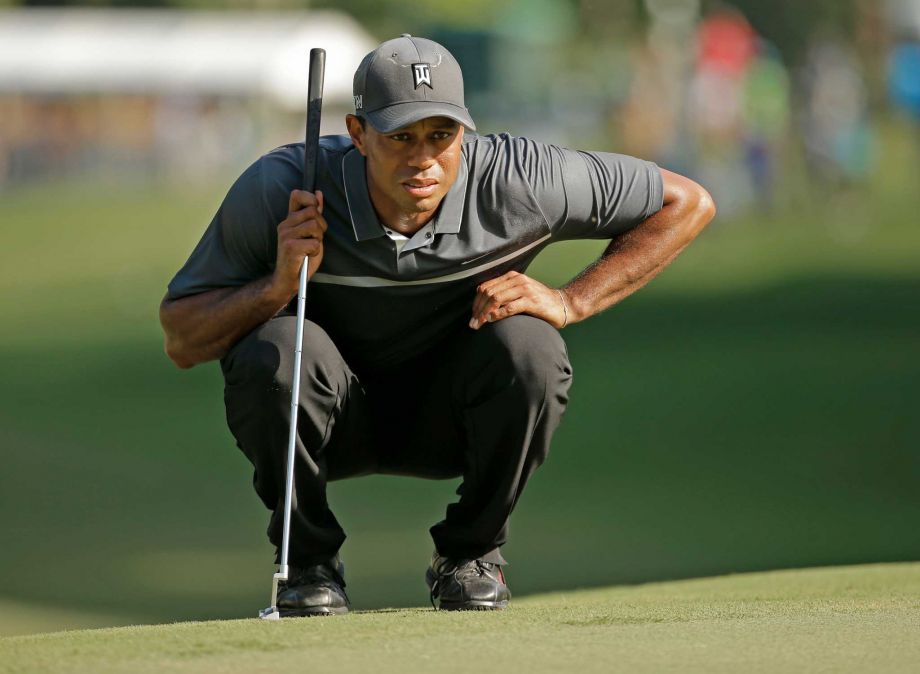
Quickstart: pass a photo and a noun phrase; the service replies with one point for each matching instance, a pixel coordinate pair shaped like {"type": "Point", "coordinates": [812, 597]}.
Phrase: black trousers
{"type": "Point", "coordinates": [481, 405]}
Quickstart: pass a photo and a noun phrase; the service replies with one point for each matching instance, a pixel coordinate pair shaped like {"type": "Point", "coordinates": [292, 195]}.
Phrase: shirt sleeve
{"type": "Point", "coordinates": [590, 195]}
{"type": "Point", "coordinates": [237, 247]}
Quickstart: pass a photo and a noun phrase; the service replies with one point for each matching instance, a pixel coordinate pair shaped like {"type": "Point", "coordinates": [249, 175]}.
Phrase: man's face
{"type": "Point", "coordinates": [411, 169]}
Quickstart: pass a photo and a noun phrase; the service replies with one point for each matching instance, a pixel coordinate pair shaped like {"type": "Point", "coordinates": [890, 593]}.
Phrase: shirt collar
{"type": "Point", "coordinates": [364, 220]}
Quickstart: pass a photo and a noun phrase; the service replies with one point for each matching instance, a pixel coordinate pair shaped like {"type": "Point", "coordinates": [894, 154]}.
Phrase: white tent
{"type": "Point", "coordinates": [252, 54]}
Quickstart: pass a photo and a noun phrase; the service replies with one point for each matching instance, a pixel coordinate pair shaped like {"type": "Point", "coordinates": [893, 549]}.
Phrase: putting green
{"type": "Point", "coordinates": [841, 619]}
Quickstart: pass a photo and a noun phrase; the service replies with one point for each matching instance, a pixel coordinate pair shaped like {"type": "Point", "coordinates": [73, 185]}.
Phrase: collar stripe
{"type": "Point", "coordinates": [351, 216]}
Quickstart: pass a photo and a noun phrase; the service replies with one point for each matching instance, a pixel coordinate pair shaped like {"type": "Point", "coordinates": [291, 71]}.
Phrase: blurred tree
{"type": "Point", "coordinates": [786, 23]}
{"type": "Point", "coordinates": [390, 18]}
{"type": "Point", "coordinates": [790, 25]}
{"type": "Point", "coordinates": [385, 18]}
{"type": "Point", "coordinates": [93, 3]}
{"type": "Point", "coordinates": [181, 4]}
{"type": "Point", "coordinates": [607, 21]}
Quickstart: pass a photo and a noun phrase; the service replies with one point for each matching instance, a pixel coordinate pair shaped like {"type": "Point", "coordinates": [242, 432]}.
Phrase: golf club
{"type": "Point", "coordinates": [311, 150]}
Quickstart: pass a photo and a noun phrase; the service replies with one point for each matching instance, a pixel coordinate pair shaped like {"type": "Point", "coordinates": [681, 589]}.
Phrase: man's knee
{"type": "Point", "coordinates": [265, 357]}
{"type": "Point", "coordinates": [530, 350]}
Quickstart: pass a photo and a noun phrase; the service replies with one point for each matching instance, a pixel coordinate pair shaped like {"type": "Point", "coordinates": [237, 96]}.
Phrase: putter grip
{"type": "Point", "coordinates": [314, 114]}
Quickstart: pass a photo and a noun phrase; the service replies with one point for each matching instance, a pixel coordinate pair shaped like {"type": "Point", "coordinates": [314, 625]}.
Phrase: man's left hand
{"type": "Point", "coordinates": [516, 293]}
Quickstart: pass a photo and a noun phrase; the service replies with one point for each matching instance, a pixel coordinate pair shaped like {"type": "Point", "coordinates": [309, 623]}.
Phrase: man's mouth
{"type": "Point", "coordinates": [420, 188]}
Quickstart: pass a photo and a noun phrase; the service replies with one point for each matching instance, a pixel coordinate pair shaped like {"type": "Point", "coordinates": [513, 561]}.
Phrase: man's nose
{"type": "Point", "coordinates": [422, 155]}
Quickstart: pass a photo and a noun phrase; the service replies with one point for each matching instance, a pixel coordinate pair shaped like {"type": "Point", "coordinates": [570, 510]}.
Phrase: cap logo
{"type": "Point", "coordinates": [359, 102]}
{"type": "Point", "coordinates": [421, 74]}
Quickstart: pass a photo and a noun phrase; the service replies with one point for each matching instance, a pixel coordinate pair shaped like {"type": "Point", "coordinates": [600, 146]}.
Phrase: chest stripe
{"type": "Point", "coordinates": [378, 282]}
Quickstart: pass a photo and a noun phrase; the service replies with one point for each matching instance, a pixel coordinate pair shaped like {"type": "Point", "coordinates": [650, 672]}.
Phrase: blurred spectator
{"type": "Point", "coordinates": [739, 107]}
{"type": "Point", "coordinates": [904, 78]}
{"type": "Point", "coordinates": [834, 122]}
{"type": "Point", "coordinates": [766, 117]}
{"type": "Point", "coordinates": [653, 118]}
{"type": "Point", "coordinates": [904, 61]}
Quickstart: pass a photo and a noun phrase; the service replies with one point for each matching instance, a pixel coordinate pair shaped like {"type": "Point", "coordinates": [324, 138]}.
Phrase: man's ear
{"type": "Point", "coordinates": [356, 131]}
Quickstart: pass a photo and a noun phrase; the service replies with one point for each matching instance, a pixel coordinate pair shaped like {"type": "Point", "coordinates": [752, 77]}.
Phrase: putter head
{"type": "Point", "coordinates": [271, 612]}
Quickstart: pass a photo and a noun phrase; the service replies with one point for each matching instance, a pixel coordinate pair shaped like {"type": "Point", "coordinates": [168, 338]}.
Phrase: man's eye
{"type": "Point", "coordinates": [441, 135]}
{"type": "Point", "coordinates": [400, 136]}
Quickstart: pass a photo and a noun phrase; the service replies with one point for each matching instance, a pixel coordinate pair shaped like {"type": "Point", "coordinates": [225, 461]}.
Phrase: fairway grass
{"type": "Point", "coordinates": [840, 619]}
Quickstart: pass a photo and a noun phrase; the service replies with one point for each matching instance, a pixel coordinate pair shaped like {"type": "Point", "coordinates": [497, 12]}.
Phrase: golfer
{"type": "Point", "coordinates": [428, 351]}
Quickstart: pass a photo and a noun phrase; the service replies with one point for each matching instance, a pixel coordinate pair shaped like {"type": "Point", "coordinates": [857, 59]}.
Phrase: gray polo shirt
{"type": "Point", "coordinates": [382, 299]}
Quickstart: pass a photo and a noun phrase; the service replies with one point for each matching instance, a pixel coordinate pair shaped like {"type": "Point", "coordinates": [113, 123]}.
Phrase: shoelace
{"type": "Point", "coordinates": [316, 575]}
{"type": "Point", "coordinates": [466, 568]}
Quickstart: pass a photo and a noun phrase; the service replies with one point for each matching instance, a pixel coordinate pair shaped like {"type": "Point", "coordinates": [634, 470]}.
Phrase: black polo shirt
{"type": "Point", "coordinates": [383, 300]}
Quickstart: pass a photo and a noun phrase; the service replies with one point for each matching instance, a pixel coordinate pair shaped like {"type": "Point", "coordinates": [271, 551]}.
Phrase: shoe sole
{"type": "Point", "coordinates": [473, 605]}
{"type": "Point", "coordinates": [309, 612]}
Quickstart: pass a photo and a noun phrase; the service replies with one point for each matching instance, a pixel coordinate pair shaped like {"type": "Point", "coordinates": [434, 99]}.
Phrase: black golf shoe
{"type": "Point", "coordinates": [466, 584]}
{"type": "Point", "coordinates": [318, 589]}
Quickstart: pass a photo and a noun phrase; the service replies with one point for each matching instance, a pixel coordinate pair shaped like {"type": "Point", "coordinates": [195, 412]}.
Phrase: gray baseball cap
{"type": "Point", "coordinates": [408, 79]}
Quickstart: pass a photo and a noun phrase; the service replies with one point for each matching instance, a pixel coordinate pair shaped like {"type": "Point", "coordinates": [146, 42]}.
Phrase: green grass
{"type": "Point", "coordinates": [847, 619]}
{"type": "Point", "coordinates": [754, 408]}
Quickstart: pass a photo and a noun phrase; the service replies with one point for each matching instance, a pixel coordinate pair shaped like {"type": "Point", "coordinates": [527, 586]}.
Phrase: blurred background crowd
{"type": "Point", "coordinates": [749, 97]}
{"type": "Point", "coordinates": [753, 408]}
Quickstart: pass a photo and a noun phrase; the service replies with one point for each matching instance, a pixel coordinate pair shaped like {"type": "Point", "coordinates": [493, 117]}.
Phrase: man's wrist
{"type": "Point", "coordinates": [276, 295]}
{"type": "Point", "coordinates": [565, 308]}
{"type": "Point", "coordinates": [574, 310]}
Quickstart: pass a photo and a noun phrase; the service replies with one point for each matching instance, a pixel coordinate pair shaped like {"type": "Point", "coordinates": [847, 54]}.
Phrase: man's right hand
{"type": "Point", "coordinates": [204, 326]}
{"type": "Point", "coordinates": [299, 234]}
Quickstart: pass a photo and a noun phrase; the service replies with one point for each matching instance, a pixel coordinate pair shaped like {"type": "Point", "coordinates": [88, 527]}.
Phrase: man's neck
{"type": "Point", "coordinates": [408, 226]}
{"type": "Point", "coordinates": [389, 213]}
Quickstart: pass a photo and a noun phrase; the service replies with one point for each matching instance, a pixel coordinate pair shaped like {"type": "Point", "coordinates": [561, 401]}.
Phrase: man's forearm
{"type": "Point", "coordinates": [635, 257]}
{"type": "Point", "coordinates": [203, 327]}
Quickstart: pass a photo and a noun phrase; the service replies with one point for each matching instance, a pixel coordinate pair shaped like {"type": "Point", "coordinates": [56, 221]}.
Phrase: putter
{"type": "Point", "coordinates": [311, 150]}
